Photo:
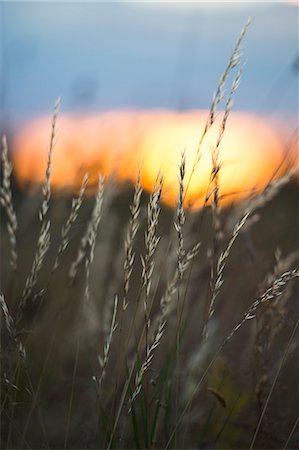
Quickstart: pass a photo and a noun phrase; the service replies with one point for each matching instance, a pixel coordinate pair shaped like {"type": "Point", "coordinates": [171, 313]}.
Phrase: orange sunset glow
{"type": "Point", "coordinates": [120, 142]}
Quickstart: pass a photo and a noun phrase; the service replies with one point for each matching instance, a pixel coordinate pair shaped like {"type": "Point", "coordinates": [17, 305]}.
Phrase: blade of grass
{"type": "Point", "coordinates": [134, 419]}
{"type": "Point", "coordinates": [227, 419]}
{"type": "Point", "coordinates": [282, 361]}
{"type": "Point", "coordinates": [212, 409]}
{"type": "Point", "coordinates": [68, 422]}
{"type": "Point", "coordinates": [291, 433]}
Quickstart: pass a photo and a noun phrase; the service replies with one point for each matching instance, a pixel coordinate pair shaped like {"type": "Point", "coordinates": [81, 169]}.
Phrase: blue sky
{"type": "Point", "coordinates": [100, 56]}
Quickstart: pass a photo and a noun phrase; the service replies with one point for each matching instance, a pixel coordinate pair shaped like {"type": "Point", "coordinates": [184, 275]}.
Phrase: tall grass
{"type": "Point", "coordinates": [82, 368]}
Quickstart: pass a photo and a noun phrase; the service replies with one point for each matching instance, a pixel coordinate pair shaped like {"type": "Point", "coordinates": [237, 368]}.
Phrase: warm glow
{"type": "Point", "coordinates": [120, 142]}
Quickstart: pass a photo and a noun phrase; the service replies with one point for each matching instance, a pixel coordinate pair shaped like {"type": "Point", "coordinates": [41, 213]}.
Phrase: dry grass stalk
{"type": "Point", "coordinates": [150, 354]}
{"type": "Point", "coordinates": [92, 233]}
{"type": "Point", "coordinates": [228, 107]}
{"type": "Point", "coordinates": [166, 303]}
{"type": "Point", "coordinates": [151, 238]}
{"type": "Point", "coordinates": [260, 201]}
{"type": "Point", "coordinates": [151, 243]}
{"type": "Point", "coordinates": [184, 259]}
{"type": "Point", "coordinates": [128, 263]}
{"type": "Point", "coordinates": [7, 376]}
{"type": "Point", "coordinates": [12, 332]}
{"type": "Point", "coordinates": [47, 186]}
{"type": "Point", "coordinates": [95, 218]}
{"type": "Point", "coordinates": [273, 292]}
{"type": "Point", "coordinates": [215, 157]}
{"type": "Point", "coordinates": [275, 310]}
{"type": "Point", "coordinates": [216, 219]}
{"type": "Point", "coordinates": [43, 242]}
{"type": "Point", "coordinates": [271, 190]}
{"type": "Point", "coordinates": [221, 263]}
{"type": "Point", "coordinates": [180, 217]}
{"type": "Point", "coordinates": [130, 237]}
{"type": "Point", "coordinates": [104, 360]}
{"type": "Point", "coordinates": [232, 63]}
{"type": "Point", "coordinates": [269, 321]}
{"type": "Point", "coordinates": [218, 96]}
{"type": "Point", "coordinates": [7, 203]}
{"type": "Point", "coordinates": [43, 245]}
{"type": "Point", "coordinates": [9, 322]}
{"type": "Point", "coordinates": [76, 205]}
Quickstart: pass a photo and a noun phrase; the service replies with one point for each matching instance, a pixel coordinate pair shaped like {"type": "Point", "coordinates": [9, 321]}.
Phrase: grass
{"type": "Point", "coordinates": [126, 324]}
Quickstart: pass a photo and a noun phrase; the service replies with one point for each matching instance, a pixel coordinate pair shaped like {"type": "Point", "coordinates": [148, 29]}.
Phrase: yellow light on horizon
{"type": "Point", "coordinates": [121, 141]}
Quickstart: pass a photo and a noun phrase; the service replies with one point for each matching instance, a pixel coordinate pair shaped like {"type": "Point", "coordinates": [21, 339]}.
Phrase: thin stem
{"type": "Point", "coordinates": [282, 361]}
{"type": "Point", "coordinates": [291, 433]}
{"type": "Point", "coordinates": [72, 392]}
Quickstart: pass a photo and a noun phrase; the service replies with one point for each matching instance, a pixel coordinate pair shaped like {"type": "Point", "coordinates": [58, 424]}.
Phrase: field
{"type": "Point", "coordinates": [127, 323]}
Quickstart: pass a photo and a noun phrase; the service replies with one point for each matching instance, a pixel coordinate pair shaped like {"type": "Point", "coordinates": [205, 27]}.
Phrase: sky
{"type": "Point", "coordinates": [119, 55]}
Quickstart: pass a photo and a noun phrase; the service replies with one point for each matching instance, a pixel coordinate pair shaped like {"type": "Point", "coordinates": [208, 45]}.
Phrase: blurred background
{"type": "Point", "coordinates": [131, 60]}
{"type": "Point", "coordinates": [136, 81]}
